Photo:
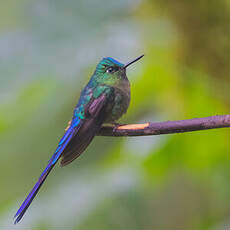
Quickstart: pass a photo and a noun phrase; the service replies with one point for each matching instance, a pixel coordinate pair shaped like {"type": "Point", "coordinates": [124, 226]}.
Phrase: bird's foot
{"type": "Point", "coordinates": [115, 125]}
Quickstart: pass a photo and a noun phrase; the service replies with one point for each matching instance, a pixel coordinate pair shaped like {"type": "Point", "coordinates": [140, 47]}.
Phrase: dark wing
{"type": "Point", "coordinates": [95, 116]}
{"type": "Point", "coordinates": [66, 139]}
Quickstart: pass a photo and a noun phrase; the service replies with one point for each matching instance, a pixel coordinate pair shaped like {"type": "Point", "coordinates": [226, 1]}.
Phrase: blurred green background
{"type": "Point", "coordinates": [48, 51]}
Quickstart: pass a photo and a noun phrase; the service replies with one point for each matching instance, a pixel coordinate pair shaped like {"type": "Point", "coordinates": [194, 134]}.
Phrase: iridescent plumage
{"type": "Point", "coordinates": [105, 99]}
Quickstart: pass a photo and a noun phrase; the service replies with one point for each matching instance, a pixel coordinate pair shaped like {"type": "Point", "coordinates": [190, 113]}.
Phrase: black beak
{"type": "Point", "coordinates": [128, 64]}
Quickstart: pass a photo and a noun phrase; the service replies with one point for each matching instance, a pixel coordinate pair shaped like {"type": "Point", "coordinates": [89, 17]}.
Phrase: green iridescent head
{"type": "Point", "coordinates": [111, 72]}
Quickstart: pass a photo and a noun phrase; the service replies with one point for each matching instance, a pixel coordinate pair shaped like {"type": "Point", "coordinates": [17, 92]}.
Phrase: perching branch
{"type": "Point", "coordinates": [166, 127]}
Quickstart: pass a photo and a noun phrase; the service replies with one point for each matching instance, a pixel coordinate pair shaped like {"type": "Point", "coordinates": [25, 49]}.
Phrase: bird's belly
{"type": "Point", "coordinates": [120, 105]}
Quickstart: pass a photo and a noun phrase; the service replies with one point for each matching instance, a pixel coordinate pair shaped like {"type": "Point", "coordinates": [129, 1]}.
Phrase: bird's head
{"type": "Point", "coordinates": [111, 72]}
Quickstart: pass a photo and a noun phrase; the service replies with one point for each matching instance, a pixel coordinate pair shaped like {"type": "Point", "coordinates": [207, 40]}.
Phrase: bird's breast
{"type": "Point", "coordinates": [121, 101]}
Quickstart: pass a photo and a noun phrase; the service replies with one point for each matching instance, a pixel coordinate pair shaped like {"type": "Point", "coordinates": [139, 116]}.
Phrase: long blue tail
{"type": "Point", "coordinates": [32, 194]}
{"type": "Point", "coordinates": [72, 130]}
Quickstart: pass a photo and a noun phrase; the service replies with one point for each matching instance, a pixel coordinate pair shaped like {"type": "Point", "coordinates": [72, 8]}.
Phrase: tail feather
{"type": "Point", "coordinates": [21, 211]}
{"type": "Point", "coordinates": [62, 145]}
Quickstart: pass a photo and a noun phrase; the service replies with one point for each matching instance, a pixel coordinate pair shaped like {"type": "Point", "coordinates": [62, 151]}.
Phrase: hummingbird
{"type": "Point", "coordinates": [104, 99]}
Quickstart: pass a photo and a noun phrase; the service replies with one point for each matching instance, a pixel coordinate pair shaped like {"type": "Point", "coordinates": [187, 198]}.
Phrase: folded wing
{"type": "Point", "coordinates": [96, 115]}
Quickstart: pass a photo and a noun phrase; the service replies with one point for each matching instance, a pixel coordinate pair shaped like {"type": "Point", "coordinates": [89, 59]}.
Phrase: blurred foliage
{"type": "Point", "coordinates": [48, 50]}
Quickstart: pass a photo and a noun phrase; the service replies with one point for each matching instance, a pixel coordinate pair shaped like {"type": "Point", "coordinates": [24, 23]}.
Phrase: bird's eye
{"type": "Point", "coordinates": [110, 70]}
